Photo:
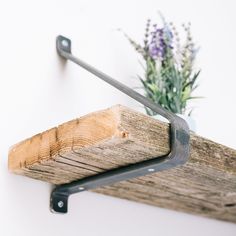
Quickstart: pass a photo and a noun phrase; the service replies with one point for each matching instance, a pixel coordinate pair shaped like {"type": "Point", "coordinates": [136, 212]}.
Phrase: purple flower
{"type": "Point", "coordinates": [156, 52]}
{"type": "Point", "coordinates": [157, 45]}
{"type": "Point", "coordinates": [161, 39]}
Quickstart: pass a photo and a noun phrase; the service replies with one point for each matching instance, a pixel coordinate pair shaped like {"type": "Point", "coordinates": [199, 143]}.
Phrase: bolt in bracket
{"type": "Point", "coordinates": [179, 142]}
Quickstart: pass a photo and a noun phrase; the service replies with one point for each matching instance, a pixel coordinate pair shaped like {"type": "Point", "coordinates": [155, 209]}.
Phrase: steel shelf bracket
{"type": "Point", "coordinates": [179, 142]}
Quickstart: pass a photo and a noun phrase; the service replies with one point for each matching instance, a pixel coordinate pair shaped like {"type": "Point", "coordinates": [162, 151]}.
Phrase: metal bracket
{"type": "Point", "coordinates": [179, 142]}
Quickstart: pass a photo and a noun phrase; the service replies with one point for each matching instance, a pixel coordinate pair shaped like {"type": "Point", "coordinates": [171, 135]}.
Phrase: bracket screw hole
{"type": "Point", "coordinates": [65, 43]}
{"type": "Point", "coordinates": [60, 204]}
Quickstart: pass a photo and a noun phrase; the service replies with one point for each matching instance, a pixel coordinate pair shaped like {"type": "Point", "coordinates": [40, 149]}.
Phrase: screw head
{"type": "Point", "coordinates": [60, 204]}
{"type": "Point", "coordinates": [151, 169]}
{"type": "Point", "coordinates": [65, 43]}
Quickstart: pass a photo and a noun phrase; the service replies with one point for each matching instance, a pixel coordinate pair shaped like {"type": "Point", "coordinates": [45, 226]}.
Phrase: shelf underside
{"type": "Point", "coordinates": [118, 136]}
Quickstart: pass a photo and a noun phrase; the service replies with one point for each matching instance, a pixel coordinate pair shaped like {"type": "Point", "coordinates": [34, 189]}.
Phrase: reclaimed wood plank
{"type": "Point", "coordinates": [103, 140]}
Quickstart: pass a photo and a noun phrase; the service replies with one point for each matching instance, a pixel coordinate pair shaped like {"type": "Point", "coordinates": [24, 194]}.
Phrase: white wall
{"type": "Point", "coordinates": [39, 91]}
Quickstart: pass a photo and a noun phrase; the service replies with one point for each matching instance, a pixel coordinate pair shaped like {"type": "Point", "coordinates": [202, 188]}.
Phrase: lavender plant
{"type": "Point", "coordinates": [170, 77]}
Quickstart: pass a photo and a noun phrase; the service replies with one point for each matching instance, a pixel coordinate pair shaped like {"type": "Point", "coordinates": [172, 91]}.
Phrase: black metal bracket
{"type": "Point", "coordinates": [179, 142]}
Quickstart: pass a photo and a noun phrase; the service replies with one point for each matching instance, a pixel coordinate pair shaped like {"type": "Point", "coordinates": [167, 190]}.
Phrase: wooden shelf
{"type": "Point", "coordinates": [205, 185]}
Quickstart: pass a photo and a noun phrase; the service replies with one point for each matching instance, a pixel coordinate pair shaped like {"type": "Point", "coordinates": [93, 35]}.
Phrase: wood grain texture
{"type": "Point", "coordinates": [205, 185]}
